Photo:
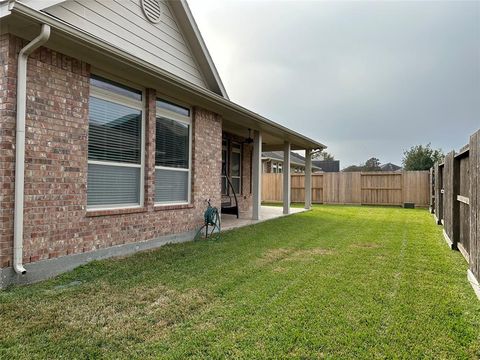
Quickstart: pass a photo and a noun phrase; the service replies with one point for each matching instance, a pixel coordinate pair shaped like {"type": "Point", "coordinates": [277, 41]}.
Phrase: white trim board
{"type": "Point", "coordinates": [474, 283]}
{"type": "Point", "coordinates": [464, 252]}
{"type": "Point", "coordinates": [447, 240]}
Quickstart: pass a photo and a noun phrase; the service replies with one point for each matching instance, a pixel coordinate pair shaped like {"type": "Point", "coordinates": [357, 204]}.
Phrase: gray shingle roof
{"type": "Point", "coordinates": [295, 159]}
{"type": "Point", "coordinates": [328, 165]}
{"type": "Point", "coordinates": [390, 167]}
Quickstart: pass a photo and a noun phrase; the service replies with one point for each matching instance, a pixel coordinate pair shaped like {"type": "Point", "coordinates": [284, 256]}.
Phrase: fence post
{"type": "Point", "coordinates": [438, 194]}
{"type": "Point", "coordinates": [474, 155]}
{"type": "Point", "coordinates": [432, 193]}
{"type": "Point", "coordinates": [308, 179]}
{"type": "Point", "coordinates": [451, 209]}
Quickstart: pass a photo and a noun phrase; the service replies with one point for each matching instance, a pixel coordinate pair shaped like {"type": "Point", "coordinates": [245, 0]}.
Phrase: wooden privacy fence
{"type": "Point", "coordinates": [366, 188]}
{"type": "Point", "coordinates": [455, 201]}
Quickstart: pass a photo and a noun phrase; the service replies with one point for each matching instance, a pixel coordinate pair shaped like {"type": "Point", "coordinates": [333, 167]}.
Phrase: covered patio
{"type": "Point", "coordinates": [252, 134]}
{"type": "Point", "coordinates": [266, 213]}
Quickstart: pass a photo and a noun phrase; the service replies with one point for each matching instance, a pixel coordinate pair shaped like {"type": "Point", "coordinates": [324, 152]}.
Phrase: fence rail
{"type": "Point", "coordinates": [367, 188]}
{"type": "Point", "coordinates": [456, 201]}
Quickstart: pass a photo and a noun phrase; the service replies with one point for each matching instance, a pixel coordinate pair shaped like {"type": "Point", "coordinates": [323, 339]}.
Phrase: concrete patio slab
{"type": "Point", "coordinates": [266, 213]}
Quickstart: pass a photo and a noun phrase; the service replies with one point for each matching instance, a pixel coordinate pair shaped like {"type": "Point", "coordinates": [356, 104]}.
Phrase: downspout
{"type": "Point", "coordinates": [41, 39]}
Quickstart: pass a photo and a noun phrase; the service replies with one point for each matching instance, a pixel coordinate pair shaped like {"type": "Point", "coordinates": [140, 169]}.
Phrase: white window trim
{"type": "Point", "coordinates": [134, 104]}
{"type": "Point", "coordinates": [160, 112]}
{"type": "Point", "coordinates": [113, 163]}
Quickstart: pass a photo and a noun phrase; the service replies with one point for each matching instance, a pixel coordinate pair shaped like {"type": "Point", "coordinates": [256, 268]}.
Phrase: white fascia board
{"type": "Point", "coordinates": [5, 8]}
{"type": "Point", "coordinates": [7, 5]}
{"type": "Point", "coordinates": [40, 4]}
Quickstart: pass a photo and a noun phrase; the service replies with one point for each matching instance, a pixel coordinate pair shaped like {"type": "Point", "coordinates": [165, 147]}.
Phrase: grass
{"type": "Point", "coordinates": [336, 282]}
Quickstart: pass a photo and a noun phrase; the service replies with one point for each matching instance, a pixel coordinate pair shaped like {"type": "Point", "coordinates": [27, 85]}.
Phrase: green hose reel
{"type": "Point", "coordinates": [211, 218]}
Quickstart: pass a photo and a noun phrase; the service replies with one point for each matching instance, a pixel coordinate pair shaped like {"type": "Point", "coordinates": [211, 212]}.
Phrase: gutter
{"type": "Point", "coordinates": [6, 7]}
{"type": "Point", "coordinates": [148, 68]}
{"type": "Point", "coordinates": [41, 39]}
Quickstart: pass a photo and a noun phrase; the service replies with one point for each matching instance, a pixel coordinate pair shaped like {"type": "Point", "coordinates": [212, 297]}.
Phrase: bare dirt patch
{"type": "Point", "coordinates": [124, 311]}
{"type": "Point", "coordinates": [274, 255]}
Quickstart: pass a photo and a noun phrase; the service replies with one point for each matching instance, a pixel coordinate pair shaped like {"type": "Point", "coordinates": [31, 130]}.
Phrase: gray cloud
{"type": "Point", "coordinates": [365, 78]}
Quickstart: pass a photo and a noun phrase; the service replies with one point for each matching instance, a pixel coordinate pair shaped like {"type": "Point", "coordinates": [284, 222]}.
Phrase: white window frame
{"type": "Point", "coordinates": [106, 95]}
{"type": "Point", "coordinates": [280, 168]}
{"type": "Point", "coordinates": [171, 115]}
{"type": "Point", "coordinates": [274, 167]}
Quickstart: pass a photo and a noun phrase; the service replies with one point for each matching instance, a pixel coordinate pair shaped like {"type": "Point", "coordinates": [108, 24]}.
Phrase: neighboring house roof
{"type": "Point", "coordinates": [23, 18]}
{"type": "Point", "coordinates": [327, 165]}
{"type": "Point", "coordinates": [295, 159]}
{"type": "Point", "coordinates": [390, 167]}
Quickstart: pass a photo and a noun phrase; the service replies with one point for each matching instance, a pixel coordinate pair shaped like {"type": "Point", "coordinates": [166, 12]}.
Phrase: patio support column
{"type": "Point", "coordinates": [308, 179]}
{"type": "Point", "coordinates": [286, 178]}
{"type": "Point", "coordinates": [257, 175]}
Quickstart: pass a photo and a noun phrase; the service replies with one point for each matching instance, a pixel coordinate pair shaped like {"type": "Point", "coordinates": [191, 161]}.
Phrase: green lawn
{"type": "Point", "coordinates": [336, 282]}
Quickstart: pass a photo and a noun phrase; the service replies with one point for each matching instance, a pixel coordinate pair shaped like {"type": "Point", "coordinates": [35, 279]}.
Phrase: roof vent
{"type": "Point", "coordinates": [152, 10]}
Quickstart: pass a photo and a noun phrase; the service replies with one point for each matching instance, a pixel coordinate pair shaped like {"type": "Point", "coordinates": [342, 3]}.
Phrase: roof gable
{"type": "Point", "coordinates": [390, 167]}
{"type": "Point", "coordinates": [173, 44]}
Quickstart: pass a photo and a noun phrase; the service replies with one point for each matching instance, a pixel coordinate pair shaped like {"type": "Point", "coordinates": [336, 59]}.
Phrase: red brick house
{"type": "Point", "coordinates": [114, 129]}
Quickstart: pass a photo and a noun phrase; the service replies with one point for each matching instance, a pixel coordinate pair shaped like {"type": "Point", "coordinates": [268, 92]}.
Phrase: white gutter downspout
{"type": "Point", "coordinates": [41, 39]}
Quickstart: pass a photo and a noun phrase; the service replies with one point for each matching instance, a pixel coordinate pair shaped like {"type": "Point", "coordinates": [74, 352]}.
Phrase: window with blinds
{"type": "Point", "coordinates": [172, 154]}
{"type": "Point", "coordinates": [115, 145]}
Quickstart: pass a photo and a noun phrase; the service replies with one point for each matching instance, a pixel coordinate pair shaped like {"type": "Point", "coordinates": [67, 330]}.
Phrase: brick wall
{"type": "Point", "coordinates": [7, 150]}
{"type": "Point", "coordinates": [56, 219]}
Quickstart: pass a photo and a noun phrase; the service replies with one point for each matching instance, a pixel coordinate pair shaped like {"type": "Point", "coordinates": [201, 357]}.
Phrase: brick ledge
{"type": "Point", "coordinates": [109, 212]}
{"type": "Point", "coordinates": [173, 207]}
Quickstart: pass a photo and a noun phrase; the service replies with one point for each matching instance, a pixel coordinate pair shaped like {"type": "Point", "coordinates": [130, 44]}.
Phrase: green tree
{"type": "Point", "coordinates": [372, 164]}
{"type": "Point", "coordinates": [421, 157]}
{"type": "Point", "coordinates": [323, 155]}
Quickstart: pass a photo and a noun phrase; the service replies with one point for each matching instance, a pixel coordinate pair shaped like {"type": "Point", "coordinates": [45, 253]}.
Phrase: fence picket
{"type": "Point", "coordinates": [456, 185]}
{"type": "Point", "coordinates": [372, 188]}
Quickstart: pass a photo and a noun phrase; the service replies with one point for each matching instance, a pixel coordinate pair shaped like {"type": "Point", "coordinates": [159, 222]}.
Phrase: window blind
{"type": "Point", "coordinates": [114, 132]}
{"type": "Point", "coordinates": [171, 186]}
{"type": "Point", "coordinates": [113, 185]}
{"type": "Point", "coordinates": [171, 143]}
{"type": "Point", "coordinates": [172, 161]}
{"type": "Point", "coordinates": [114, 145]}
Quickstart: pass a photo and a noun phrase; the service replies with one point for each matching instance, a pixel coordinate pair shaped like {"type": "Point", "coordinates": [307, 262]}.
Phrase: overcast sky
{"type": "Point", "coordinates": [365, 78]}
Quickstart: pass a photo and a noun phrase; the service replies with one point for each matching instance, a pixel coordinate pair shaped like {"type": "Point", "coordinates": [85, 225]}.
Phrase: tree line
{"type": "Point", "coordinates": [418, 157]}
